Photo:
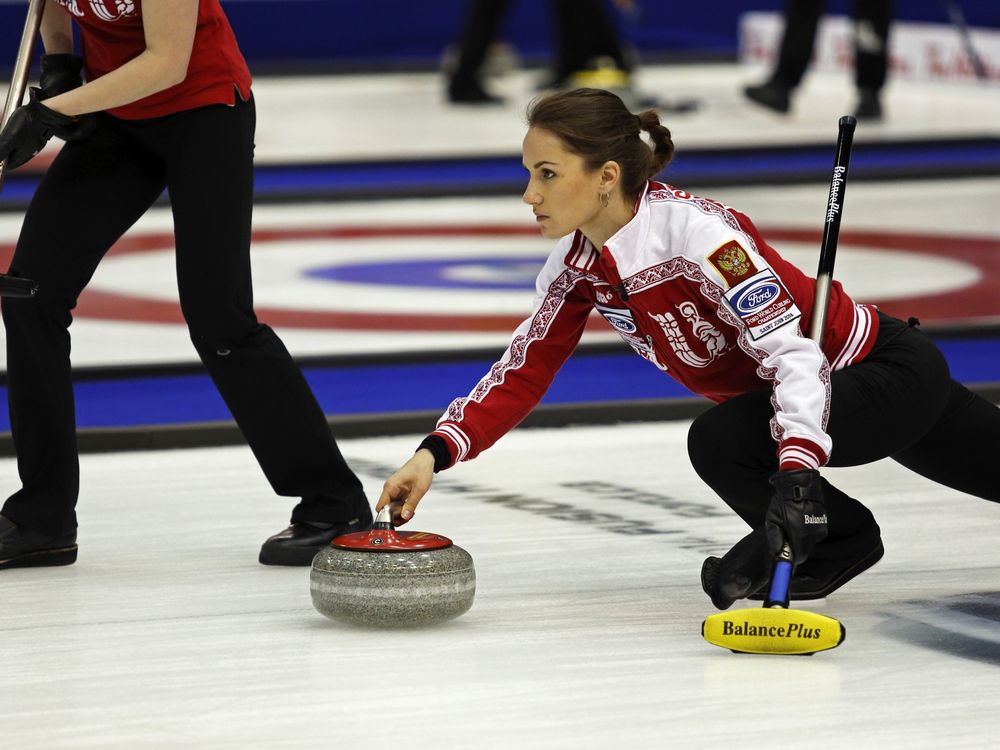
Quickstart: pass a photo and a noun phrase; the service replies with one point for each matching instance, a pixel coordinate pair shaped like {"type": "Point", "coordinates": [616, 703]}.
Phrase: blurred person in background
{"type": "Point", "coordinates": [871, 36]}
{"type": "Point", "coordinates": [586, 40]}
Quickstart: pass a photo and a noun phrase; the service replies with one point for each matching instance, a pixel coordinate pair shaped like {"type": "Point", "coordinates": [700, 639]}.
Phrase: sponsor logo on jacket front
{"type": "Point", "coordinates": [620, 318]}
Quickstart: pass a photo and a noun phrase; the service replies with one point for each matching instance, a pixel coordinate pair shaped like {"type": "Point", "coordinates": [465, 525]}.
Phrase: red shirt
{"type": "Point", "coordinates": [111, 33]}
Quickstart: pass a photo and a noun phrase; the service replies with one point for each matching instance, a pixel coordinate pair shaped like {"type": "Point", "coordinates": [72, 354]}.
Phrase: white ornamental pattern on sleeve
{"type": "Point", "coordinates": [106, 10]}
{"type": "Point", "coordinates": [112, 10]}
{"type": "Point", "coordinates": [71, 6]}
{"type": "Point", "coordinates": [516, 354]}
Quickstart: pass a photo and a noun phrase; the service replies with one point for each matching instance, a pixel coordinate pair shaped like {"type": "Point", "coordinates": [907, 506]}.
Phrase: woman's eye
{"type": "Point", "coordinates": [548, 174]}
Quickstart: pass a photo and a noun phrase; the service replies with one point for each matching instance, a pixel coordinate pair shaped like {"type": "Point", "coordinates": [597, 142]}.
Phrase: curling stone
{"type": "Point", "coordinates": [389, 578]}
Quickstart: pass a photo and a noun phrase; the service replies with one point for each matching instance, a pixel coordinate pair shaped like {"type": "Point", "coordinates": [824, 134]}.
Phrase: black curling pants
{"type": "Point", "coordinates": [871, 38]}
{"type": "Point", "coordinates": [900, 402]}
{"type": "Point", "coordinates": [92, 193]}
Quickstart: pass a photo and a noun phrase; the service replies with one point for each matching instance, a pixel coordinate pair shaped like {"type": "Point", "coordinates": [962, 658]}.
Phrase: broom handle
{"type": "Point", "coordinates": [831, 227]}
{"type": "Point", "coordinates": [781, 578]}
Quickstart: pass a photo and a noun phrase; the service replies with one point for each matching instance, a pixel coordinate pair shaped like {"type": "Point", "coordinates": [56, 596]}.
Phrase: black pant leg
{"type": "Point", "coordinates": [210, 180]}
{"type": "Point", "coordinates": [877, 408]}
{"type": "Point", "coordinates": [797, 41]}
{"type": "Point", "coordinates": [732, 450]}
{"type": "Point", "coordinates": [480, 29]}
{"type": "Point", "coordinates": [93, 191]}
{"type": "Point", "coordinates": [871, 42]}
{"type": "Point", "coordinates": [962, 448]}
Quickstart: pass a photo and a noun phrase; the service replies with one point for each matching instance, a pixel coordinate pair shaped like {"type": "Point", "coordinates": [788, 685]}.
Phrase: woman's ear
{"type": "Point", "coordinates": [611, 174]}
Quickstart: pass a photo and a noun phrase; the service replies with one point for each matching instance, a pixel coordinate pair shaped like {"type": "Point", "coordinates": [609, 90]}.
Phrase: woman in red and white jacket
{"type": "Point", "coordinates": [166, 105]}
{"type": "Point", "coordinates": [693, 287]}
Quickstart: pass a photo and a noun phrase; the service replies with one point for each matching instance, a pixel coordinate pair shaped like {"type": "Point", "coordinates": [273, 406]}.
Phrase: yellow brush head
{"type": "Point", "coordinates": [773, 631]}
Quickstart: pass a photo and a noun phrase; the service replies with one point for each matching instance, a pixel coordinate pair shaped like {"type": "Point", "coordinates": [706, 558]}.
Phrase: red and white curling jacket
{"type": "Point", "coordinates": [692, 287]}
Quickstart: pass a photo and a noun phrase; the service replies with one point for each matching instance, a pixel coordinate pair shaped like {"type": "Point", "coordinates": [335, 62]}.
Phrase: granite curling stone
{"type": "Point", "coordinates": [389, 578]}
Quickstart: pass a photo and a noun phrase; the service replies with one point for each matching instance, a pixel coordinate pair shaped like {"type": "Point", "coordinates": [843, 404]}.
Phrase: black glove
{"type": "Point", "coordinates": [796, 514]}
{"type": "Point", "coordinates": [60, 73]}
{"type": "Point", "coordinates": [31, 126]}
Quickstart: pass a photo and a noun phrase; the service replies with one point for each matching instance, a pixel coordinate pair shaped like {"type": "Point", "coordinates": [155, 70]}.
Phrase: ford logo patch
{"type": "Point", "coordinates": [623, 324]}
{"type": "Point", "coordinates": [758, 295]}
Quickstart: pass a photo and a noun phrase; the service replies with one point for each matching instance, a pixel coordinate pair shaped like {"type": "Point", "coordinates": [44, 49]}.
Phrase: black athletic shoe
{"type": "Point", "coordinates": [21, 548]}
{"type": "Point", "coordinates": [771, 95]}
{"type": "Point", "coordinates": [817, 579]}
{"type": "Point", "coordinates": [869, 107]}
{"type": "Point", "coordinates": [470, 92]}
{"type": "Point", "coordinates": [742, 570]}
{"type": "Point", "coordinates": [299, 543]}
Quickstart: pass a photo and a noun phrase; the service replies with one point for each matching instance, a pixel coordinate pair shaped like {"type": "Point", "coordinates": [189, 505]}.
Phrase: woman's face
{"type": "Point", "coordinates": [562, 192]}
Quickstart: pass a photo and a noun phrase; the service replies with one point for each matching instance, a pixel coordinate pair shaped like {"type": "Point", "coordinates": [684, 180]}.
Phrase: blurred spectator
{"type": "Point", "coordinates": [586, 39]}
{"type": "Point", "coordinates": [871, 34]}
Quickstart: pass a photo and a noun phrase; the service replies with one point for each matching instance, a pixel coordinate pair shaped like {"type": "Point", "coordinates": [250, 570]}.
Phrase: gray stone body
{"type": "Point", "coordinates": [393, 589]}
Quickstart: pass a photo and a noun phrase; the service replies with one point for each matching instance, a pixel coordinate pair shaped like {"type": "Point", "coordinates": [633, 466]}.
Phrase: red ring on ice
{"type": "Point", "coordinates": [975, 302]}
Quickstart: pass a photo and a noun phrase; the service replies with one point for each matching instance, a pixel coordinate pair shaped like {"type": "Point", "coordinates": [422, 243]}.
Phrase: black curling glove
{"type": "Point", "coordinates": [796, 514]}
{"type": "Point", "coordinates": [60, 73]}
{"type": "Point", "coordinates": [32, 125]}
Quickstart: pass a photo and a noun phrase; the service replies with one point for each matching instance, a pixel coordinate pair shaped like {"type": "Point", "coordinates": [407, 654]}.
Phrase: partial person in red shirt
{"type": "Point", "coordinates": [694, 288]}
{"type": "Point", "coordinates": [166, 105]}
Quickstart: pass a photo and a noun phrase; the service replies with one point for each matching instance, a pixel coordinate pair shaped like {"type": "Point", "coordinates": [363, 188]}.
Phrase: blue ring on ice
{"type": "Point", "coordinates": [501, 273]}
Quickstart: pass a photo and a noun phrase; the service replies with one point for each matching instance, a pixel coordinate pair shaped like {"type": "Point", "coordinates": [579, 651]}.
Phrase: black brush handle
{"type": "Point", "coordinates": [831, 227]}
{"type": "Point", "coordinates": [781, 578]}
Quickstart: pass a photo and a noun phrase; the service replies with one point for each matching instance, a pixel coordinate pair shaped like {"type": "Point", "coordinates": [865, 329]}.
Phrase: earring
{"type": "Point", "coordinates": [605, 199]}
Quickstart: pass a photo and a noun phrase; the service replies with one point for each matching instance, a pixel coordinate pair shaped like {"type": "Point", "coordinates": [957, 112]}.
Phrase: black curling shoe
{"type": "Point", "coordinates": [772, 95]}
{"type": "Point", "coordinates": [299, 543]}
{"type": "Point", "coordinates": [471, 92]}
{"type": "Point", "coordinates": [869, 107]}
{"type": "Point", "coordinates": [744, 569]}
{"type": "Point", "coordinates": [817, 579]}
{"type": "Point", "coordinates": [826, 579]}
{"type": "Point", "coordinates": [22, 548]}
